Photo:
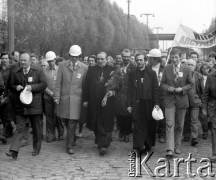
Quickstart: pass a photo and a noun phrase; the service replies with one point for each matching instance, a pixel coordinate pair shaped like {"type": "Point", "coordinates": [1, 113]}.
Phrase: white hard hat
{"type": "Point", "coordinates": [154, 53]}
{"type": "Point", "coordinates": [157, 114]}
{"type": "Point", "coordinates": [75, 50]}
{"type": "Point", "coordinates": [26, 97]}
{"type": "Point", "coordinates": [50, 55]}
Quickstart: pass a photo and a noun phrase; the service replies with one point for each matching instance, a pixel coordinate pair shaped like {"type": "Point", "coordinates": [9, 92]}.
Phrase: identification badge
{"type": "Point", "coordinates": [141, 80]}
{"type": "Point", "coordinates": [54, 77]}
{"type": "Point", "coordinates": [30, 79]}
{"type": "Point", "coordinates": [79, 75]}
{"type": "Point", "coordinates": [180, 74]}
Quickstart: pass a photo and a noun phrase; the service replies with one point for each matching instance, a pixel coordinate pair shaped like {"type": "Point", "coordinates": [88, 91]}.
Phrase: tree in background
{"type": "Point", "coordinates": [96, 25]}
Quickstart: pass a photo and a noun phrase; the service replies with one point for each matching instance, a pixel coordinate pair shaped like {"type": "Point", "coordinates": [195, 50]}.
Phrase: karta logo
{"type": "Point", "coordinates": [137, 165]}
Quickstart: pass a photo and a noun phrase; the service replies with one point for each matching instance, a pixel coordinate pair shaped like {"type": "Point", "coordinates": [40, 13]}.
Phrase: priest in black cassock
{"type": "Point", "coordinates": [143, 96]}
{"type": "Point", "coordinates": [99, 101]}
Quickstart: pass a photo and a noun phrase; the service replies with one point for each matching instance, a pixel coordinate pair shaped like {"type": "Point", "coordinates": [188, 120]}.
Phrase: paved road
{"type": "Point", "coordinates": [54, 163]}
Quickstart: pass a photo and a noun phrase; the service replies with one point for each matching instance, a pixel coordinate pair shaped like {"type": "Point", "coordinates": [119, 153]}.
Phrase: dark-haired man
{"type": "Point", "coordinates": [142, 97]}
{"type": "Point", "coordinates": [176, 82]}
{"type": "Point", "coordinates": [101, 115]}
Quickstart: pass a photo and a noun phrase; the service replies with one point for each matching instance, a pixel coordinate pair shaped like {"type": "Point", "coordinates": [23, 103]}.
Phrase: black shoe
{"type": "Point", "coordinates": [126, 138]}
{"type": "Point", "coordinates": [120, 135]}
{"type": "Point", "coordinates": [12, 154]}
{"type": "Point", "coordinates": [102, 151]}
{"type": "Point", "coordinates": [51, 140]}
{"type": "Point", "coordinates": [169, 154]}
{"type": "Point", "coordinates": [194, 142]}
{"type": "Point", "coordinates": [60, 138]}
{"type": "Point", "coordinates": [205, 135]}
{"type": "Point", "coordinates": [3, 140]}
{"type": "Point", "coordinates": [35, 153]}
{"type": "Point", "coordinates": [186, 139]}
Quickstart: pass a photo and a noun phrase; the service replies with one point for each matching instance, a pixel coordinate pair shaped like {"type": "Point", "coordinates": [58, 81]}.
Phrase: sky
{"type": "Point", "coordinates": [196, 14]}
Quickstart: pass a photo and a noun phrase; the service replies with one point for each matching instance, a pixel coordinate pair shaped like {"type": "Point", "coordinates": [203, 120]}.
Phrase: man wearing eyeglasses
{"type": "Point", "coordinates": [176, 82]}
{"type": "Point", "coordinates": [68, 93]}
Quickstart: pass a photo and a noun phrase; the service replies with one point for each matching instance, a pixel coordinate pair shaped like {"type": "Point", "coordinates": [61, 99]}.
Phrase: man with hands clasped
{"type": "Point", "coordinates": [176, 82]}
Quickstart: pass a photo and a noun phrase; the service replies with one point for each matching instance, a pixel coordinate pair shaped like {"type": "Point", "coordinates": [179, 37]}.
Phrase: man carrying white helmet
{"type": "Point", "coordinates": [155, 63]}
{"type": "Point", "coordinates": [51, 119]}
{"type": "Point", "coordinates": [68, 93]}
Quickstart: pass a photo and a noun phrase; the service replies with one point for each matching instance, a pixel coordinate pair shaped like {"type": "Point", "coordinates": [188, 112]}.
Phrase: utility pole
{"type": "Point", "coordinates": [128, 23]}
{"type": "Point", "coordinates": [157, 34]}
{"type": "Point", "coordinates": [147, 21]}
{"type": "Point", "coordinates": [10, 11]}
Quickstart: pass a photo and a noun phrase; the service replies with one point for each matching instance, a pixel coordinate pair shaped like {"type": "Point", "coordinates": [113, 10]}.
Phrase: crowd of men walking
{"type": "Point", "coordinates": [99, 90]}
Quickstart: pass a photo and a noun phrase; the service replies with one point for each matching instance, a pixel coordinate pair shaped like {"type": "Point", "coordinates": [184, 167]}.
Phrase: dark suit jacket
{"type": "Point", "coordinates": [150, 87]}
{"type": "Point", "coordinates": [173, 99]}
{"type": "Point", "coordinates": [195, 93]}
{"type": "Point", "coordinates": [209, 95]}
{"type": "Point", "coordinates": [38, 85]}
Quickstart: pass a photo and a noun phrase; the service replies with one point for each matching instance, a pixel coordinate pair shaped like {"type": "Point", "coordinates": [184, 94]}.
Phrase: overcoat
{"type": "Point", "coordinates": [94, 92]}
{"type": "Point", "coordinates": [36, 79]}
{"type": "Point", "coordinates": [68, 89]}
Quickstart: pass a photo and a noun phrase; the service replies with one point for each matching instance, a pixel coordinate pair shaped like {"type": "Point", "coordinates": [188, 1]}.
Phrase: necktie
{"type": "Point", "coordinates": [176, 72]}
{"type": "Point", "coordinates": [25, 71]}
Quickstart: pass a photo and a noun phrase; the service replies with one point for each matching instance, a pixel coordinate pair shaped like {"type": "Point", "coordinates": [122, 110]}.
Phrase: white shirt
{"type": "Point", "coordinates": [204, 80]}
{"type": "Point", "coordinates": [26, 70]}
{"type": "Point", "coordinates": [156, 68]}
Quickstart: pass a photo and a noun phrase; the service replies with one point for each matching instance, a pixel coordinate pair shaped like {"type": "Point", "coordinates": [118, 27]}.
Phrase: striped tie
{"type": "Point", "coordinates": [176, 72]}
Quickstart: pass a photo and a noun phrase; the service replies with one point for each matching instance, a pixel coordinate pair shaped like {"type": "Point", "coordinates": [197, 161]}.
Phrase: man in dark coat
{"type": "Point", "coordinates": [155, 62]}
{"type": "Point", "coordinates": [101, 116]}
{"type": "Point", "coordinates": [209, 105]}
{"type": "Point", "coordinates": [33, 80]}
{"type": "Point", "coordinates": [123, 117]}
{"type": "Point", "coordinates": [142, 98]}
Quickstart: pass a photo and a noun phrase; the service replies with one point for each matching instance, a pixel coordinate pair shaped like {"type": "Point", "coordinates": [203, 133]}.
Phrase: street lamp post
{"type": "Point", "coordinates": [147, 21]}
{"type": "Point", "coordinates": [128, 23]}
{"type": "Point", "coordinates": [157, 34]}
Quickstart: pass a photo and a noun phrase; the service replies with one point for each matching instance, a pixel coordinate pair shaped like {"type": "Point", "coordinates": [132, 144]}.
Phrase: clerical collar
{"type": "Point", "coordinates": [141, 69]}
{"type": "Point", "coordinates": [156, 66]}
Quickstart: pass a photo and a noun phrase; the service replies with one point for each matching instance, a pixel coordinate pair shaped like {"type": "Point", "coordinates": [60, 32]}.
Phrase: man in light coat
{"type": "Point", "coordinates": [68, 93]}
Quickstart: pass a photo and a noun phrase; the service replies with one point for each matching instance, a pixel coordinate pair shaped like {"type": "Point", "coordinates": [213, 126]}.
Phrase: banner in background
{"type": "Point", "coordinates": [186, 37]}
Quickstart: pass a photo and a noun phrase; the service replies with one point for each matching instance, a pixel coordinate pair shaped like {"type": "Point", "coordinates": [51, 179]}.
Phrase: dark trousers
{"type": "Point", "coordinates": [125, 124]}
{"type": "Point", "coordinates": [204, 122]}
{"type": "Point", "coordinates": [161, 126]}
{"type": "Point", "coordinates": [71, 129]}
{"type": "Point", "coordinates": [52, 120]}
{"type": "Point", "coordinates": [144, 132]}
{"type": "Point", "coordinates": [102, 138]}
{"type": "Point", "coordinates": [191, 125]}
{"type": "Point", "coordinates": [36, 122]}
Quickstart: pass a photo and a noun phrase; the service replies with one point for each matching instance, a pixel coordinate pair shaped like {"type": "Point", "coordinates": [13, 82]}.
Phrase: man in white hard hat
{"type": "Point", "coordinates": [176, 82]}
{"type": "Point", "coordinates": [68, 93]}
{"type": "Point", "coordinates": [52, 120]}
{"type": "Point", "coordinates": [155, 63]}
{"type": "Point", "coordinates": [33, 80]}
